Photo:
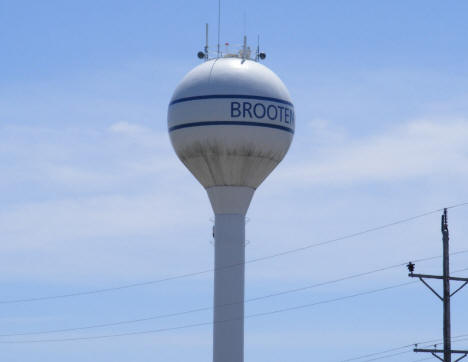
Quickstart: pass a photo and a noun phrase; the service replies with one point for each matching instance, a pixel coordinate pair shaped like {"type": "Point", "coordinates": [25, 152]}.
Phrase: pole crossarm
{"type": "Point", "coordinates": [429, 276]}
{"type": "Point", "coordinates": [434, 350]}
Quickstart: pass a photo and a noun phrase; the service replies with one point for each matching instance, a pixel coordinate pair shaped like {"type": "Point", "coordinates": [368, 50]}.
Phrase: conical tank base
{"type": "Point", "coordinates": [230, 199]}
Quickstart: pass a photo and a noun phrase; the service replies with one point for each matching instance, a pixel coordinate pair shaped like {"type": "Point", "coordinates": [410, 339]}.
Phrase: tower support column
{"type": "Point", "coordinates": [228, 329]}
{"type": "Point", "coordinates": [230, 204]}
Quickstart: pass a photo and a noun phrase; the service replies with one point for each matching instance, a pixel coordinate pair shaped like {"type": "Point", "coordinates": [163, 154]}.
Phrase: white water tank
{"type": "Point", "coordinates": [231, 121]}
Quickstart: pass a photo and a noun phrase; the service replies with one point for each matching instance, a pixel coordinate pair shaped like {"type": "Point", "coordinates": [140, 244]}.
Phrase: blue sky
{"type": "Point", "coordinates": [93, 196]}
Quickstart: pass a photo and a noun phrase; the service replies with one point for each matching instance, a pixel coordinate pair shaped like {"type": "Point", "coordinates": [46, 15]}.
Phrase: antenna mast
{"type": "Point", "coordinates": [258, 48]}
{"type": "Point", "coordinates": [244, 48]}
{"type": "Point", "coordinates": [245, 23]}
{"type": "Point", "coordinates": [219, 25]}
{"type": "Point", "coordinates": [206, 42]}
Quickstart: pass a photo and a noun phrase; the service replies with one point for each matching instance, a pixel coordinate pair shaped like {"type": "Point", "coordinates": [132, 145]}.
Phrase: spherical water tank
{"type": "Point", "coordinates": [231, 121]}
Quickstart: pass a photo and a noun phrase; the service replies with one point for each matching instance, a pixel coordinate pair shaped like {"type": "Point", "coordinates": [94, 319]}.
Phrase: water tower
{"type": "Point", "coordinates": [231, 121]}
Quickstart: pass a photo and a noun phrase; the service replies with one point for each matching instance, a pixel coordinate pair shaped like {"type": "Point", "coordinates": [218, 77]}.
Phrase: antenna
{"type": "Point", "coordinates": [244, 48]}
{"type": "Point", "coordinates": [257, 54]}
{"type": "Point", "coordinates": [204, 54]}
{"type": "Point", "coordinates": [206, 41]}
{"type": "Point", "coordinates": [245, 23]}
{"type": "Point", "coordinates": [219, 25]}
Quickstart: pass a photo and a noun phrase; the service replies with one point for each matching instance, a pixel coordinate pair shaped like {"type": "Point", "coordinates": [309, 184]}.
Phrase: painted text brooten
{"type": "Point", "coordinates": [283, 114]}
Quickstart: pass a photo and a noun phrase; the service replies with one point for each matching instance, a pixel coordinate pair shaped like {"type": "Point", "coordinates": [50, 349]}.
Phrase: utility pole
{"type": "Point", "coordinates": [447, 351]}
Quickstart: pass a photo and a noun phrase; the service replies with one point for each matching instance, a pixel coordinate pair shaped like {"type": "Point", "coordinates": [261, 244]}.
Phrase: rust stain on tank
{"type": "Point", "coordinates": [229, 166]}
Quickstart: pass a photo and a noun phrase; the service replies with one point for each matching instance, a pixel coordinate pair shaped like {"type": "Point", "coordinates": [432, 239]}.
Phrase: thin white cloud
{"type": "Point", "coordinates": [141, 135]}
{"type": "Point", "coordinates": [85, 159]}
{"type": "Point", "coordinates": [417, 149]}
{"type": "Point", "coordinates": [127, 128]}
{"type": "Point", "coordinates": [118, 186]}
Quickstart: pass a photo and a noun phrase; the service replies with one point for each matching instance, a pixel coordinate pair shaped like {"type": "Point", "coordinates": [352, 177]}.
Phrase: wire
{"type": "Point", "coordinates": [256, 315]}
{"type": "Point", "coordinates": [377, 353]}
{"type": "Point", "coordinates": [388, 356]}
{"type": "Point", "coordinates": [186, 326]}
{"type": "Point", "coordinates": [283, 292]}
{"type": "Point", "coordinates": [400, 353]}
{"type": "Point", "coordinates": [455, 206]}
{"type": "Point", "coordinates": [192, 274]}
{"type": "Point", "coordinates": [405, 346]}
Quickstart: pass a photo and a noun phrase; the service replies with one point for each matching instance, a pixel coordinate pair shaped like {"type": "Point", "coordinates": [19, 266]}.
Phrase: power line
{"type": "Point", "coordinates": [393, 355]}
{"type": "Point", "coordinates": [406, 346]}
{"type": "Point", "coordinates": [256, 315]}
{"type": "Point", "coordinates": [388, 356]}
{"type": "Point", "coordinates": [377, 353]}
{"type": "Point", "coordinates": [201, 309]}
{"type": "Point", "coordinates": [192, 274]}
{"type": "Point", "coordinates": [186, 326]}
{"type": "Point", "coordinates": [401, 347]}
{"type": "Point", "coordinates": [405, 352]}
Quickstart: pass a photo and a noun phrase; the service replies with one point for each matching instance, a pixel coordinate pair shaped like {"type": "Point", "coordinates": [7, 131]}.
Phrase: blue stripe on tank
{"type": "Point", "coordinates": [230, 96]}
{"type": "Point", "coordinates": [231, 123]}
